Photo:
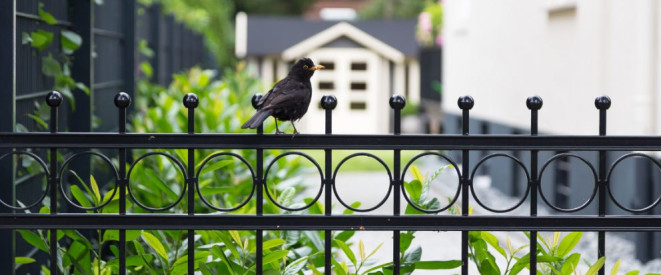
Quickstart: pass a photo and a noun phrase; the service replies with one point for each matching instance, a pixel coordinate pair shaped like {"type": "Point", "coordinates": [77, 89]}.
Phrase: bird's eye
{"type": "Point", "coordinates": [305, 67]}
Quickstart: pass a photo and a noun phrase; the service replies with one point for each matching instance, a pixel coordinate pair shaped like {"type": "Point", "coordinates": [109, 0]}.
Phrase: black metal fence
{"type": "Point", "coordinates": [465, 168]}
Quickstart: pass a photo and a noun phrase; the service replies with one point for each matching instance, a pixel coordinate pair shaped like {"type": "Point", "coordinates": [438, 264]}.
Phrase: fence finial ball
{"type": "Point", "coordinates": [602, 102]}
{"type": "Point", "coordinates": [191, 100]}
{"type": "Point", "coordinates": [328, 102]}
{"type": "Point", "coordinates": [122, 100]}
{"type": "Point", "coordinates": [397, 102]}
{"type": "Point", "coordinates": [534, 102]}
{"type": "Point", "coordinates": [255, 100]}
{"type": "Point", "coordinates": [466, 102]}
{"type": "Point", "coordinates": [54, 99]}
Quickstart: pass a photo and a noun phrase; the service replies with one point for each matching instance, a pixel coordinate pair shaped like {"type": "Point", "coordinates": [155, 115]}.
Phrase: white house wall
{"type": "Point", "coordinates": [501, 52]}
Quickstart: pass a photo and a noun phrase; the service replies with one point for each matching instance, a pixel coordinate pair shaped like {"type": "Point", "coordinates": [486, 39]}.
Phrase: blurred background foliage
{"type": "Point", "coordinates": [215, 18]}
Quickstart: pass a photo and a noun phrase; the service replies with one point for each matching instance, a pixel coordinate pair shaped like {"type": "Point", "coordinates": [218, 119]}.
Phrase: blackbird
{"type": "Point", "coordinates": [288, 99]}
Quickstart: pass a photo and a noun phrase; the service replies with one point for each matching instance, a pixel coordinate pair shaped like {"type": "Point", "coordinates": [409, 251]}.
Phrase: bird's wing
{"type": "Point", "coordinates": [284, 94]}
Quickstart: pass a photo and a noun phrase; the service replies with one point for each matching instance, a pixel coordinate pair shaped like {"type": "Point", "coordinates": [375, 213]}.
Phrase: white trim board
{"type": "Point", "coordinates": [336, 31]}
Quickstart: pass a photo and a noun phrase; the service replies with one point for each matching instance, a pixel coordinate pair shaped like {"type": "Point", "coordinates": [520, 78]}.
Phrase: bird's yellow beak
{"type": "Point", "coordinates": [318, 67]}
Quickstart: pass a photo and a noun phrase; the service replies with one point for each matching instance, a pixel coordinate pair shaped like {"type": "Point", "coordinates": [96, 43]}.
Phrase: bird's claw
{"type": "Point", "coordinates": [277, 132]}
{"type": "Point", "coordinates": [294, 134]}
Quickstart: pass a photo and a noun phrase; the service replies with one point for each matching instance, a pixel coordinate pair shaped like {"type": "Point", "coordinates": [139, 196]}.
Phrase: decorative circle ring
{"type": "Point", "coordinates": [128, 181]}
{"type": "Point", "coordinates": [608, 180]}
{"type": "Point", "coordinates": [456, 195]}
{"type": "Point", "coordinates": [107, 161]}
{"type": "Point", "coordinates": [197, 183]}
{"type": "Point", "coordinates": [520, 164]}
{"type": "Point", "coordinates": [337, 168]}
{"type": "Point", "coordinates": [43, 166]}
{"type": "Point", "coordinates": [585, 204]}
{"type": "Point", "coordinates": [268, 192]}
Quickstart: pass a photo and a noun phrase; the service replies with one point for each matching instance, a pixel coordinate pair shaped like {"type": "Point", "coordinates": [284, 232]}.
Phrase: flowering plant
{"type": "Point", "coordinates": [430, 25]}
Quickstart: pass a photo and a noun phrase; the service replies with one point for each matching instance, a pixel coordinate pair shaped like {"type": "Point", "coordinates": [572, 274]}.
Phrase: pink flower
{"type": "Point", "coordinates": [424, 21]}
{"type": "Point", "coordinates": [439, 40]}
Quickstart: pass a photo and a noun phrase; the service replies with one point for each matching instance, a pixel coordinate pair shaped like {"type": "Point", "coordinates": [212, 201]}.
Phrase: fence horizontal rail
{"type": "Point", "coordinates": [303, 141]}
{"type": "Point", "coordinates": [318, 222]}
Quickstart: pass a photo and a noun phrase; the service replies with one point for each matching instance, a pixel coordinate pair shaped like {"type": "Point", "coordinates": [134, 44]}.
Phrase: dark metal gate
{"type": "Point", "coordinates": [395, 222]}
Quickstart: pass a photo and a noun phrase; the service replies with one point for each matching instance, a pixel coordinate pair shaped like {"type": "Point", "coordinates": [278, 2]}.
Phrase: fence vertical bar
{"type": "Point", "coordinates": [81, 71]}
{"type": "Point", "coordinates": [328, 102]}
{"type": "Point", "coordinates": [122, 101]}
{"type": "Point", "coordinates": [53, 99]}
{"type": "Point", "coordinates": [465, 104]}
{"type": "Point", "coordinates": [129, 59]}
{"type": "Point", "coordinates": [8, 114]}
{"type": "Point", "coordinates": [534, 103]}
{"type": "Point", "coordinates": [259, 181]}
{"type": "Point", "coordinates": [602, 103]}
{"type": "Point", "coordinates": [190, 102]}
{"type": "Point", "coordinates": [397, 102]}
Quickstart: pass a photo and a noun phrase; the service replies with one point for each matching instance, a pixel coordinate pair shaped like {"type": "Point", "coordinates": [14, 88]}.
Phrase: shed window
{"type": "Point", "coordinates": [358, 86]}
{"type": "Point", "coordinates": [358, 106]}
{"type": "Point", "coordinates": [358, 66]}
{"type": "Point", "coordinates": [326, 85]}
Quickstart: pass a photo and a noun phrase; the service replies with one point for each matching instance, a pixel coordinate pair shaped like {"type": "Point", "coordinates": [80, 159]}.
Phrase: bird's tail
{"type": "Point", "coordinates": [257, 119]}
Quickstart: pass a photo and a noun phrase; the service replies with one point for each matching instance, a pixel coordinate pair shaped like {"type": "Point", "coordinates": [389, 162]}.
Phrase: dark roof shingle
{"type": "Point", "coordinates": [273, 35]}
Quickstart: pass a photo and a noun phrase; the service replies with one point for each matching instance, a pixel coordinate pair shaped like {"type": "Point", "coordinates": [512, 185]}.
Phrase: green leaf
{"type": "Point", "coordinates": [47, 17]}
{"type": "Point", "coordinates": [415, 172]}
{"type": "Point", "coordinates": [148, 70]}
{"type": "Point", "coordinates": [269, 244]}
{"type": "Point", "coordinates": [405, 240]}
{"type": "Point", "coordinates": [274, 256]}
{"type": "Point", "coordinates": [33, 239]}
{"type": "Point", "coordinates": [113, 235]}
{"type": "Point", "coordinates": [438, 264]}
{"type": "Point", "coordinates": [347, 251]}
{"type": "Point", "coordinates": [596, 266]}
{"type": "Point", "coordinates": [155, 244]}
{"type": "Point", "coordinates": [493, 241]}
{"type": "Point", "coordinates": [23, 260]}
{"type": "Point", "coordinates": [616, 267]}
{"type": "Point", "coordinates": [25, 38]}
{"type": "Point", "coordinates": [95, 190]}
{"type": "Point", "coordinates": [570, 264]}
{"type": "Point", "coordinates": [413, 256]}
{"type": "Point", "coordinates": [79, 195]}
{"type": "Point", "coordinates": [568, 243]}
{"type": "Point", "coordinates": [70, 41]}
{"type": "Point", "coordinates": [135, 260]}
{"type": "Point", "coordinates": [50, 66]}
{"type": "Point", "coordinates": [294, 267]}
{"type": "Point", "coordinates": [413, 189]}
{"type": "Point", "coordinates": [235, 236]}
{"type": "Point", "coordinates": [635, 272]}
{"type": "Point", "coordinates": [41, 39]}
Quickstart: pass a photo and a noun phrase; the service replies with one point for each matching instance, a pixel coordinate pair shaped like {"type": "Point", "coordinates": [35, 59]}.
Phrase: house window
{"type": "Point", "coordinates": [329, 66]}
{"type": "Point", "coordinates": [358, 106]}
{"type": "Point", "coordinates": [326, 85]}
{"type": "Point", "coordinates": [358, 66]}
{"type": "Point", "coordinates": [358, 86]}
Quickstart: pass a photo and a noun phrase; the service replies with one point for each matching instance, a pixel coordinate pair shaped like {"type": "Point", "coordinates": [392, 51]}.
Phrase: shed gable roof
{"type": "Point", "coordinates": [273, 35]}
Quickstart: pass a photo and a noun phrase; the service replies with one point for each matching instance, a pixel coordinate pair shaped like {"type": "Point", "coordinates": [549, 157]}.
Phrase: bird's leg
{"type": "Point", "coordinates": [295, 131]}
{"type": "Point", "coordinates": [277, 131]}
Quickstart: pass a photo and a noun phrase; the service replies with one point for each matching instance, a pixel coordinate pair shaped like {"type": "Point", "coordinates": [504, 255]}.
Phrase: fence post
{"type": "Point", "coordinates": [83, 67]}
{"type": "Point", "coordinates": [397, 102]}
{"type": "Point", "coordinates": [128, 68]}
{"type": "Point", "coordinates": [534, 103]}
{"type": "Point", "coordinates": [53, 99]}
{"type": "Point", "coordinates": [328, 102]}
{"type": "Point", "coordinates": [8, 113]}
{"type": "Point", "coordinates": [602, 103]}
{"type": "Point", "coordinates": [122, 101]}
{"type": "Point", "coordinates": [191, 101]}
{"type": "Point", "coordinates": [465, 104]}
{"type": "Point", "coordinates": [259, 181]}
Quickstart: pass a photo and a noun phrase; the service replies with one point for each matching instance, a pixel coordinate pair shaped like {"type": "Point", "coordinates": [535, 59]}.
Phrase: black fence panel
{"type": "Point", "coordinates": [602, 211]}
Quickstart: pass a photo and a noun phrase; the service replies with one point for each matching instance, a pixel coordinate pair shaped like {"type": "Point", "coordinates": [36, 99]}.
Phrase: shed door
{"type": "Point", "coordinates": [352, 76]}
